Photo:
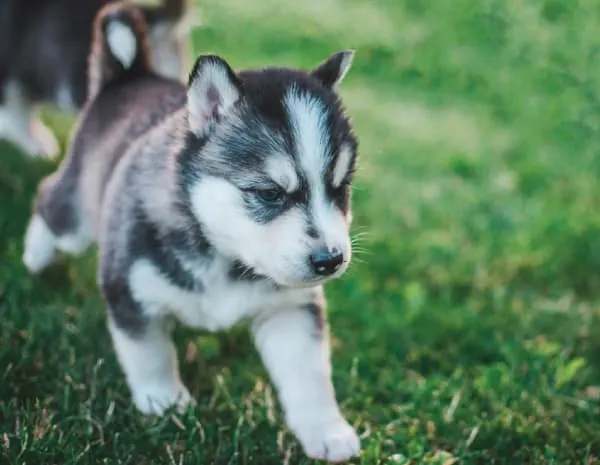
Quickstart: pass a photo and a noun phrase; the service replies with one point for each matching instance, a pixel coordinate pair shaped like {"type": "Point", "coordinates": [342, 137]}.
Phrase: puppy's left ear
{"type": "Point", "coordinates": [332, 71]}
{"type": "Point", "coordinates": [213, 89]}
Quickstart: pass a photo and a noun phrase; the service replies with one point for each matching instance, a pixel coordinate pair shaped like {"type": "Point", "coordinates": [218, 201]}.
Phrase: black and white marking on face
{"type": "Point", "coordinates": [307, 165]}
{"type": "Point", "coordinates": [271, 182]}
{"type": "Point", "coordinates": [325, 164]}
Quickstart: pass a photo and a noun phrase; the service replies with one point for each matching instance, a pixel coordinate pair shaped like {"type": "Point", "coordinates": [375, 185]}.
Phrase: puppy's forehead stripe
{"type": "Point", "coordinates": [308, 120]}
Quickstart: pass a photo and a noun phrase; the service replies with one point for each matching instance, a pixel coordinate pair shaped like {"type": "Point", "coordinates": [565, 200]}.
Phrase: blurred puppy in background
{"type": "Point", "coordinates": [44, 48]}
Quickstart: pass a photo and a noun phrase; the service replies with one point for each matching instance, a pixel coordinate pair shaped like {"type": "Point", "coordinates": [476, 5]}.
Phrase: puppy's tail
{"type": "Point", "coordinates": [120, 45]}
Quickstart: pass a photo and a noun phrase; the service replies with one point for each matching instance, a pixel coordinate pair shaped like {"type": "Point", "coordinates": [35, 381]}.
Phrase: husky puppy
{"type": "Point", "coordinates": [44, 47]}
{"type": "Point", "coordinates": [222, 202]}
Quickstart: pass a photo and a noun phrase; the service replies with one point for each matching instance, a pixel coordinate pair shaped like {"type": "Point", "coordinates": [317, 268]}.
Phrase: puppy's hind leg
{"type": "Point", "coordinates": [40, 244]}
{"type": "Point", "coordinates": [57, 223]}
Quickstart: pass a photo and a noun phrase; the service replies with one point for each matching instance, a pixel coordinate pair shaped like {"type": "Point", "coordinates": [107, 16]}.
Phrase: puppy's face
{"type": "Point", "coordinates": [268, 167]}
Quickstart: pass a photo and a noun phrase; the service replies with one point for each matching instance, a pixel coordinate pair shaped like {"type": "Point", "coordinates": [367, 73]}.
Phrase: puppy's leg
{"type": "Point", "coordinates": [40, 244]}
{"type": "Point", "coordinates": [150, 364]}
{"type": "Point", "coordinates": [146, 355]}
{"type": "Point", "coordinates": [18, 126]}
{"type": "Point", "coordinates": [294, 347]}
{"type": "Point", "coordinates": [57, 223]}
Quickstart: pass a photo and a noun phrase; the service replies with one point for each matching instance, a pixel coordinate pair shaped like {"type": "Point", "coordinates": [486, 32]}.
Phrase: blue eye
{"type": "Point", "coordinates": [271, 195]}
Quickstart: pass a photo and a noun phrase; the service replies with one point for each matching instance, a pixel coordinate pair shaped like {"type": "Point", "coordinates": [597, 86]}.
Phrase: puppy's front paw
{"type": "Point", "coordinates": [333, 441]}
{"type": "Point", "coordinates": [155, 399]}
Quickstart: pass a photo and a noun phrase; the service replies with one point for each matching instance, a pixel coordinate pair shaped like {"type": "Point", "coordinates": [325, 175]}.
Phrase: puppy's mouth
{"type": "Point", "coordinates": [299, 280]}
{"type": "Point", "coordinates": [311, 281]}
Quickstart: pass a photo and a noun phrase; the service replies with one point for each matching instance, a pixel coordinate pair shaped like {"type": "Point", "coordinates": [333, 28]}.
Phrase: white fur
{"type": "Point", "coordinates": [220, 305]}
{"type": "Point", "coordinates": [299, 366]}
{"type": "Point", "coordinates": [150, 365]}
{"type": "Point", "coordinates": [281, 170]}
{"type": "Point", "coordinates": [297, 359]}
{"type": "Point", "coordinates": [342, 166]}
{"type": "Point", "coordinates": [122, 42]}
{"type": "Point", "coordinates": [15, 120]}
{"type": "Point", "coordinates": [307, 116]}
{"type": "Point", "coordinates": [210, 76]}
{"type": "Point", "coordinates": [73, 244]}
{"type": "Point", "coordinates": [40, 245]}
{"type": "Point", "coordinates": [278, 249]}
{"type": "Point", "coordinates": [308, 121]}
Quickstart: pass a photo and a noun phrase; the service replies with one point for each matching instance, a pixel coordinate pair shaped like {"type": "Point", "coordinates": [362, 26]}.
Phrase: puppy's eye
{"type": "Point", "coordinates": [270, 195]}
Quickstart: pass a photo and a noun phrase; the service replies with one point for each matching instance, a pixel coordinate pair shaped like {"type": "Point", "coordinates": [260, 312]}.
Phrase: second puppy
{"type": "Point", "coordinates": [44, 48]}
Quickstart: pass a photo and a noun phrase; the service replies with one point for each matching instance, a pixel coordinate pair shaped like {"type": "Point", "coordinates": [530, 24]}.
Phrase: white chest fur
{"type": "Point", "coordinates": [221, 304]}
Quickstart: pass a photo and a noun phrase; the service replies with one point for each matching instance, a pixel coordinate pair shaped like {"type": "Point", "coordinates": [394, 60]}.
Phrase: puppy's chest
{"type": "Point", "coordinates": [210, 299]}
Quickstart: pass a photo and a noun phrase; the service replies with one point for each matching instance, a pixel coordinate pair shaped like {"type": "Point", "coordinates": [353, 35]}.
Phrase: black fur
{"type": "Point", "coordinates": [165, 250]}
{"type": "Point", "coordinates": [125, 311]}
{"type": "Point", "coordinates": [318, 313]}
{"type": "Point", "coordinates": [330, 70]}
{"type": "Point", "coordinates": [241, 272]}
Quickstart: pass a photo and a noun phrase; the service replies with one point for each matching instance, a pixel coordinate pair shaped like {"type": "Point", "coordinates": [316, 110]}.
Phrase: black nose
{"type": "Point", "coordinates": [326, 262]}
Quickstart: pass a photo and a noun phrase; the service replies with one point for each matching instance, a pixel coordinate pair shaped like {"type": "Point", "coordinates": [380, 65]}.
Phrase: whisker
{"type": "Point", "coordinates": [361, 249]}
{"type": "Point", "coordinates": [359, 255]}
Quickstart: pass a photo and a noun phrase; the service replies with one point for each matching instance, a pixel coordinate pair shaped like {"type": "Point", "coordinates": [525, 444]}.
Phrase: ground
{"type": "Point", "coordinates": [467, 330]}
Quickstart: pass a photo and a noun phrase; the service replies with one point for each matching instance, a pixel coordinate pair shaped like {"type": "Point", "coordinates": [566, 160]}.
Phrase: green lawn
{"type": "Point", "coordinates": [469, 329]}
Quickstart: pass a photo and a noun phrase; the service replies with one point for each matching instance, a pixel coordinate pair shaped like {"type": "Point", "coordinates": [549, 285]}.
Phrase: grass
{"type": "Point", "coordinates": [469, 330]}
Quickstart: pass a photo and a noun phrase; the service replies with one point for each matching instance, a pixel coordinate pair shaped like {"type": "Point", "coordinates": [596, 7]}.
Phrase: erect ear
{"type": "Point", "coordinates": [332, 71]}
{"type": "Point", "coordinates": [213, 89]}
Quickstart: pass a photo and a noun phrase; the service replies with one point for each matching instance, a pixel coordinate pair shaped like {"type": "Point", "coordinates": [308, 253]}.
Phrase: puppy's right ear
{"type": "Point", "coordinates": [213, 89]}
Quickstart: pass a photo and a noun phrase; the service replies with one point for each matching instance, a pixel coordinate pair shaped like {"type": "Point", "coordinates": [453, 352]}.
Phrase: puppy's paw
{"type": "Point", "coordinates": [39, 245]}
{"type": "Point", "coordinates": [36, 262]}
{"type": "Point", "coordinates": [155, 399]}
{"type": "Point", "coordinates": [333, 441]}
